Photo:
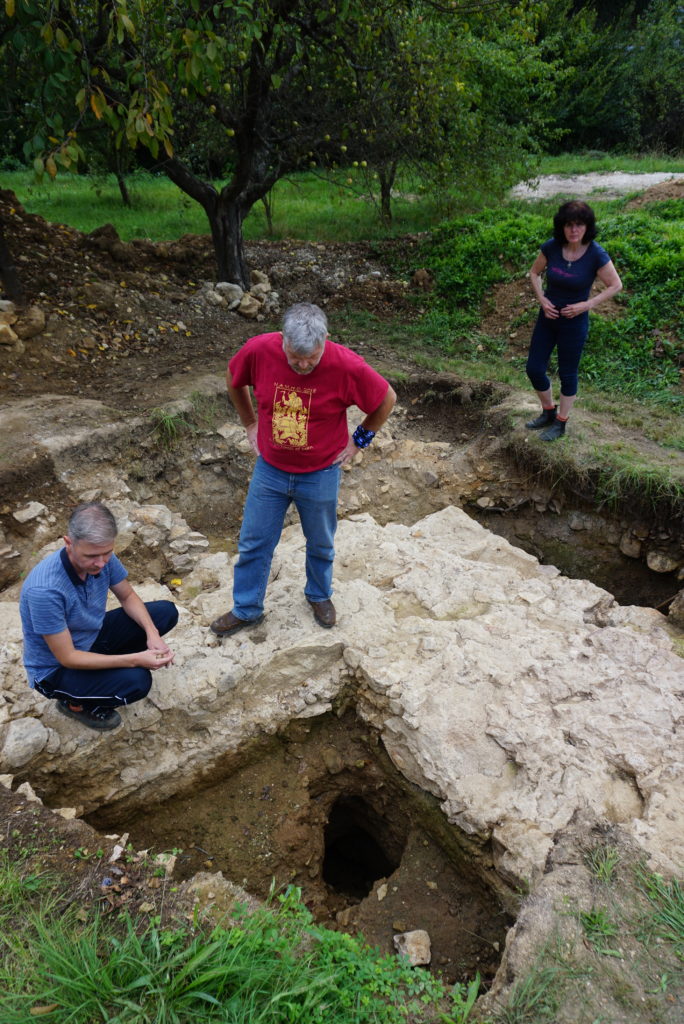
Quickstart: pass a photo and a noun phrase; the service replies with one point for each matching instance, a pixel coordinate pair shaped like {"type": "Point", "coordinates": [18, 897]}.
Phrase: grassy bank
{"type": "Point", "coordinates": [64, 961]}
{"type": "Point", "coordinates": [616, 951]}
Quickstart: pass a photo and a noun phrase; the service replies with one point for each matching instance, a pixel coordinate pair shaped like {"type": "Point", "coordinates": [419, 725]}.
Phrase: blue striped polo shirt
{"type": "Point", "coordinates": [54, 598]}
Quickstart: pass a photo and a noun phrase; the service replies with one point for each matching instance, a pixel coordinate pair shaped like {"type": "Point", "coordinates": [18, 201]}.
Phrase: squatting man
{"type": "Point", "coordinates": [303, 385]}
{"type": "Point", "coordinates": [89, 660]}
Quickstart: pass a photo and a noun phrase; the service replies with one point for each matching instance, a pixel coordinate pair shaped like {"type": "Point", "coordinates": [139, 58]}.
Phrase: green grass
{"type": "Point", "coordinates": [593, 161]}
{"type": "Point", "coordinates": [66, 962]}
{"type": "Point", "coordinates": [305, 206]}
{"type": "Point", "coordinates": [603, 861]}
{"type": "Point", "coordinates": [600, 930]}
{"type": "Point", "coordinates": [667, 902]}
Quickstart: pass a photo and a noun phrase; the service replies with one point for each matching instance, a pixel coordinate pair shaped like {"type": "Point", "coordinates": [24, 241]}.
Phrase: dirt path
{"type": "Point", "coordinates": [602, 185]}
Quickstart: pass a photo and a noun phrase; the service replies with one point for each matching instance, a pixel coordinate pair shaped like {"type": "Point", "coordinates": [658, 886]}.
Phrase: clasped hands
{"type": "Point", "coordinates": [573, 310]}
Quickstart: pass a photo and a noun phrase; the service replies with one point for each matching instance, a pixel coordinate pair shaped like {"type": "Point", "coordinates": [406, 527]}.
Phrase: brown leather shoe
{"type": "Point", "coordinates": [324, 613]}
{"type": "Point", "coordinates": [229, 623]}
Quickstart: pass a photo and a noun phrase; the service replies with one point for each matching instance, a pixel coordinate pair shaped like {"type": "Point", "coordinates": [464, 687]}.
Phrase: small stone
{"type": "Point", "coordinates": [7, 336]}
{"type": "Point", "coordinates": [30, 323]}
{"type": "Point", "coordinates": [230, 292]}
{"type": "Point", "coordinates": [415, 946]}
{"type": "Point", "coordinates": [249, 307]}
{"type": "Point", "coordinates": [630, 545]}
{"type": "Point", "coordinates": [30, 511]}
{"type": "Point", "coordinates": [26, 790]}
{"type": "Point", "coordinates": [332, 760]}
{"type": "Point", "coordinates": [660, 561]}
{"type": "Point", "coordinates": [676, 610]}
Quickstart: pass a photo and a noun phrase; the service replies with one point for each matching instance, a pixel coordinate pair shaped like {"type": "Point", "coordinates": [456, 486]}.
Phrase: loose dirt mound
{"type": "Point", "coordinates": [123, 316]}
{"type": "Point", "coordinates": [667, 190]}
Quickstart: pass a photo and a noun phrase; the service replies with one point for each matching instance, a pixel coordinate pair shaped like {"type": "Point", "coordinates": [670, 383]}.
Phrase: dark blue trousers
{"type": "Point", "coordinates": [111, 687]}
{"type": "Point", "coordinates": [567, 336]}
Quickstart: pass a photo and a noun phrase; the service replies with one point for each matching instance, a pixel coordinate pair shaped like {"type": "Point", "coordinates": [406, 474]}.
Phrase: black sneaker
{"type": "Point", "coordinates": [101, 719]}
{"type": "Point", "coordinates": [545, 418]}
{"type": "Point", "coordinates": [552, 433]}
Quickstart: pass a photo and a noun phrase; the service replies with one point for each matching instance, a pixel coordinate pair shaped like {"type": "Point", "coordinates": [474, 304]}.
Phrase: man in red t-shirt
{"type": "Point", "coordinates": [303, 384]}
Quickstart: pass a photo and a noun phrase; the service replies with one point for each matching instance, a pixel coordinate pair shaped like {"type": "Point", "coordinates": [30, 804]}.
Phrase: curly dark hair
{"type": "Point", "coordinates": [575, 212]}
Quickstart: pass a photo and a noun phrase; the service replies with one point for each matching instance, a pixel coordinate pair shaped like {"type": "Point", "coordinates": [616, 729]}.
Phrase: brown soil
{"type": "Point", "coordinates": [41, 841]}
{"type": "Point", "coordinates": [322, 806]}
{"type": "Point", "coordinates": [123, 317]}
{"type": "Point", "coordinates": [657, 193]}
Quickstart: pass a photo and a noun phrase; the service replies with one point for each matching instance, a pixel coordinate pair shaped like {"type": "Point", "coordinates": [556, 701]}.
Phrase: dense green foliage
{"type": "Point", "coordinates": [273, 966]}
{"type": "Point", "coordinates": [621, 74]}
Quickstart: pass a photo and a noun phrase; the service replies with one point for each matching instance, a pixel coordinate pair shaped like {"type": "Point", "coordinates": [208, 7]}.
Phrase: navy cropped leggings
{"type": "Point", "coordinates": [567, 336]}
{"type": "Point", "coordinates": [111, 687]}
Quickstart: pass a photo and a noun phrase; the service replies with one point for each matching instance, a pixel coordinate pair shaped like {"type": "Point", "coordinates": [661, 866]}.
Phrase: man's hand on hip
{"type": "Point", "coordinates": [251, 432]}
{"type": "Point", "coordinates": [347, 453]}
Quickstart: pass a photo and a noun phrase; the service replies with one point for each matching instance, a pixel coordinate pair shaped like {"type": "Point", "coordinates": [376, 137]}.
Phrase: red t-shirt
{"type": "Point", "coordinates": [302, 422]}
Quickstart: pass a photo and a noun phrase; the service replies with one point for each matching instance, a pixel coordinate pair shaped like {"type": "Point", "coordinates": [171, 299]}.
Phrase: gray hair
{"type": "Point", "coordinates": [305, 328]}
{"type": "Point", "coordinates": [92, 522]}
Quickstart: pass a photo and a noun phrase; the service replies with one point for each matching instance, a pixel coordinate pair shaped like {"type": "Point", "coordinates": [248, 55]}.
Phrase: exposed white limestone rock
{"type": "Point", "coordinates": [23, 739]}
{"type": "Point", "coordinates": [30, 511]}
{"type": "Point", "coordinates": [517, 697]}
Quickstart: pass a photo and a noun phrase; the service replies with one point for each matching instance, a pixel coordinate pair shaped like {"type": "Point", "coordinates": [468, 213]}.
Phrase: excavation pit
{"type": "Point", "coordinates": [356, 854]}
{"type": "Point", "coordinates": [321, 806]}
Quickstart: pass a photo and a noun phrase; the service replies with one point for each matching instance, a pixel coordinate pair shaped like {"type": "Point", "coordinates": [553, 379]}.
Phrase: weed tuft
{"type": "Point", "coordinates": [169, 426]}
{"type": "Point", "coordinates": [603, 861]}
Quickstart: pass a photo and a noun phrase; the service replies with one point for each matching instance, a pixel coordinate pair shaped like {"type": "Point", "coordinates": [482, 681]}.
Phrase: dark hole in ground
{"type": "Point", "coordinates": [354, 856]}
{"type": "Point", "coordinates": [322, 807]}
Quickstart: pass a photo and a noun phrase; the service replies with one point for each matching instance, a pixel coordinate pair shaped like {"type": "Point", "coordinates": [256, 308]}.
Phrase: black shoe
{"type": "Point", "coordinates": [324, 613]}
{"type": "Point", "coordinates": [101, 719]}
{"type": "Point", "coordinates": [552, 433]}
{"type": "Point", "coordinates": [229, 623]}
{"type": "Point", "coordinates": [545, 418]}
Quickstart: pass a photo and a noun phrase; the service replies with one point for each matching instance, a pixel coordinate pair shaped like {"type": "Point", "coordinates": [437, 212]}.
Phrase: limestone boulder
{"type": "Point", "coordinates": [249, 306]}
{"type": "Point", "coordinates": [493, 682]}
{"type": "Point", "coordinates": [23, 739]}
{"type": "Point", "coordinates": [231, 293]}
{"type": "Point", "coordinates": [9, 339]}
{"type": "Point", "coordinates": [415, 946]}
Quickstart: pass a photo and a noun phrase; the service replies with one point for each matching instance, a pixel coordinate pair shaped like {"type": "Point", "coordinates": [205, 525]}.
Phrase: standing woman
{"type": "Point", "coordinates": [571, 261]}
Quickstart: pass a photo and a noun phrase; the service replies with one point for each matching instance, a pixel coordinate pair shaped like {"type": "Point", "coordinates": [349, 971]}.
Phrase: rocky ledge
{"type": "Point", "coordinates": [519, 698]}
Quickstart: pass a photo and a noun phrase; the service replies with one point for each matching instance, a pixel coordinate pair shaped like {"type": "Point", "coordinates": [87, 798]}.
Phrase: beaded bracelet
{"type": "Point", "coordinates": [362, 437]}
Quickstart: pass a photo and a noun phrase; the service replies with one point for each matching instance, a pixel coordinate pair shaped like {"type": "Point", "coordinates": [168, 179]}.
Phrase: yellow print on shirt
{"type": "Point", "coordinates": [291, 409]}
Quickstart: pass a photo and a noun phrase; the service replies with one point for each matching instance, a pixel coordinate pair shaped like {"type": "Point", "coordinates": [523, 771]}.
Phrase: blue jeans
{"type": "Point", "coordinates": [111, 687]}
{"type": "Point", "coordinates": [271, 491]}
{"type": "Point", "coordinates": [568, 336]}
